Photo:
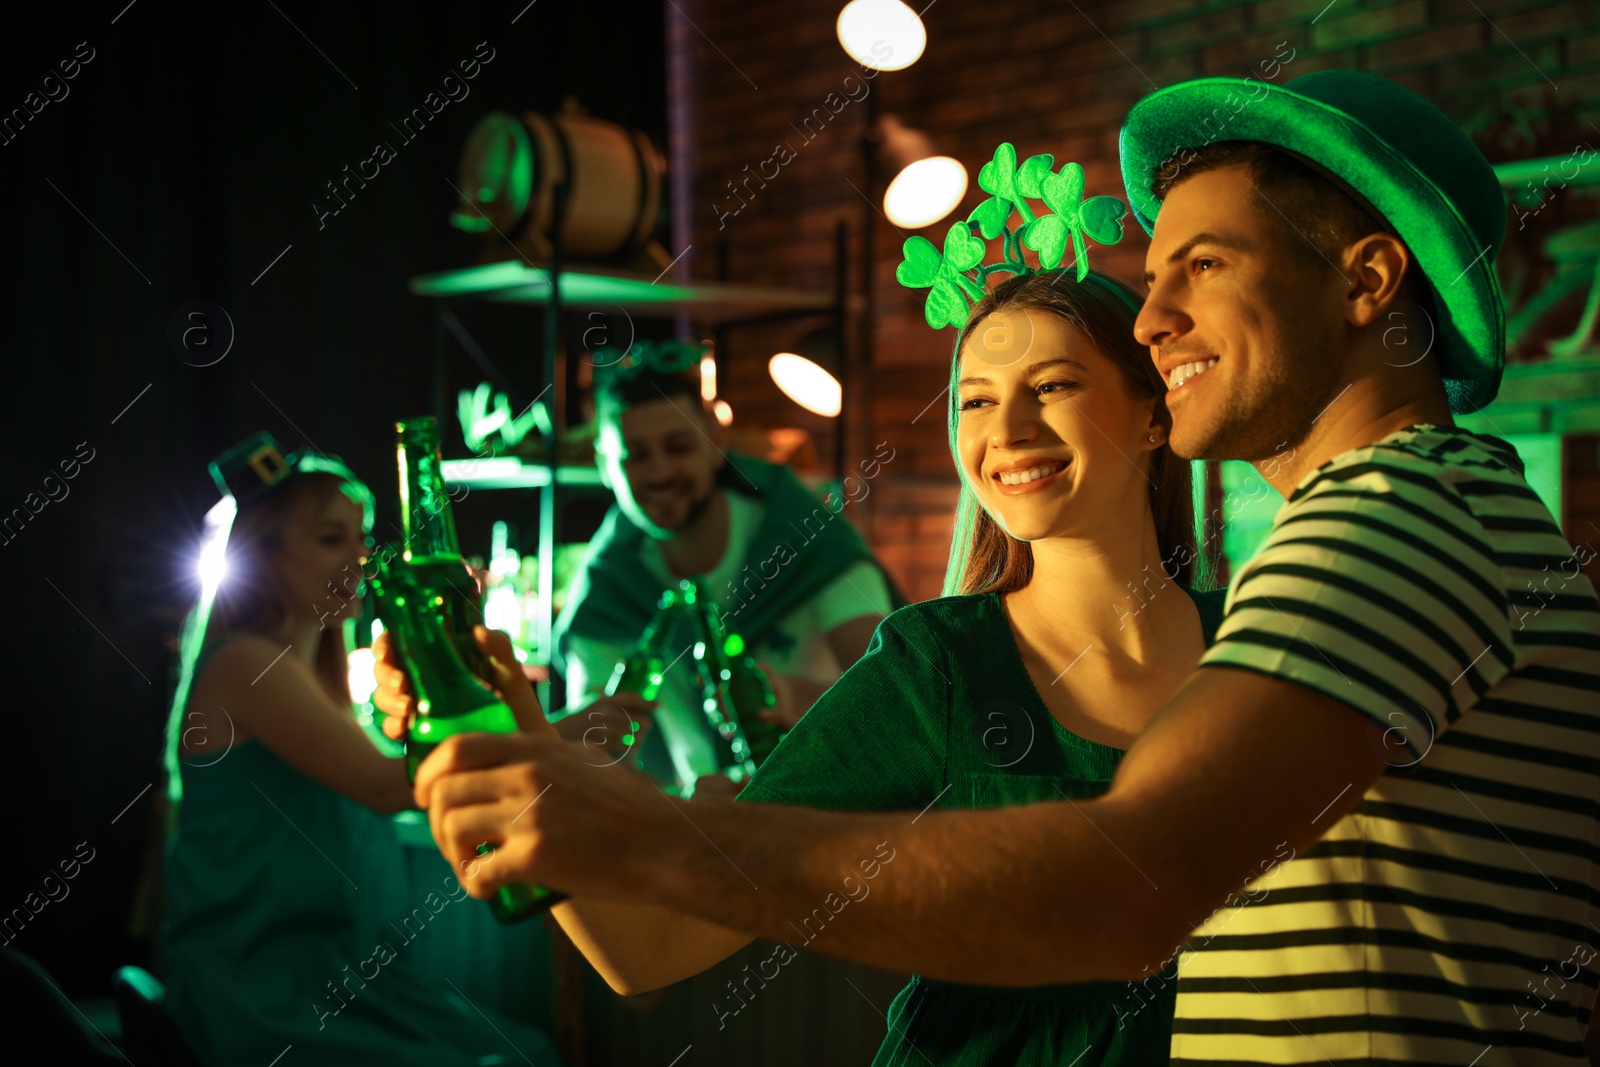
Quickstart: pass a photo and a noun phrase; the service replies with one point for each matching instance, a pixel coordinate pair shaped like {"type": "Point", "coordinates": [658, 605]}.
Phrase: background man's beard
{"type": "Point", "coordinates": [697, 509]}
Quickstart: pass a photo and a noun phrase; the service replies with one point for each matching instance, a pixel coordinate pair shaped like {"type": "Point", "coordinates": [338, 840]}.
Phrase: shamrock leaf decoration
{"type": "Point", "coordinates": [1070, 219]}
{"type": "Point", "coordinates": [1099, 217]}
{"type": "Point", "coordinates": [998, 176]}
{"type": "Point", "coordinates": [951, 292]}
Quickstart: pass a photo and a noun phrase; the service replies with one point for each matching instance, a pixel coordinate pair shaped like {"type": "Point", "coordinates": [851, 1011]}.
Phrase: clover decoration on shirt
{"type": "Point", "coordinates": [1069, 219]}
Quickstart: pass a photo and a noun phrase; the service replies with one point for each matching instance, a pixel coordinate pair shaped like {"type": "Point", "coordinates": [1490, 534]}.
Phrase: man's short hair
{"type": "Point", "coordinates": [1322, 211]}
{"type": "Point", "coordinates": [615, 393]}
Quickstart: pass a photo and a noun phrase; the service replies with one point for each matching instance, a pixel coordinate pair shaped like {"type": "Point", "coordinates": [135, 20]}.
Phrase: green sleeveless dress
{"type": "Point", "coordinates": [289, 913]}
{"type": "Point", "coordinates": [940, 711]}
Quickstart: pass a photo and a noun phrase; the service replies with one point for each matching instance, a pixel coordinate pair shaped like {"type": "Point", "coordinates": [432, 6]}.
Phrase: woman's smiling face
{"type": "Point", "coordinates": [1048, 436]}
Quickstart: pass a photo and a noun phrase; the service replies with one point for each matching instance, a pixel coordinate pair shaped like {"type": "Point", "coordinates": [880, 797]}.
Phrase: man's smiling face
{"type": "Point", "coordinates": [1243, 325]}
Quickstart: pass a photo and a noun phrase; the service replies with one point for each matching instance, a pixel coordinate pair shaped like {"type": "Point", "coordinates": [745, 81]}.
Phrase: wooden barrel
{"type": "Point", "coordinates": [513, 164]}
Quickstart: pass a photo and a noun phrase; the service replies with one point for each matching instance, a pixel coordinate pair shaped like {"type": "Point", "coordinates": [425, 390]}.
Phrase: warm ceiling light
{"type": "Point", "coordinates": [927, 186]}
{"type": "Point", "coordinates": [723, 412]}
{"type": "Point", "coordinates": [708, 378]}
{"type": "Point", "coordinates": [806, 383]}
{"type": "Point", "coordinates": [925, 192]}
{"type": "Point", "coordinates": [881, 34]}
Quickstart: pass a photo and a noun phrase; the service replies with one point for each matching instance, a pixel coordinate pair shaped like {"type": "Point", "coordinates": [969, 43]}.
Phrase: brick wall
{"type": "Point", "coordinates": [1049, 77]}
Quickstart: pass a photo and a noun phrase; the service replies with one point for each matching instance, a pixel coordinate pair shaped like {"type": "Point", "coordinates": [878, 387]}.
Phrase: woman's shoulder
{"type": "Point", "coordinates": [237, 655]}
{"type": "Point", "coordinates": [948, 621]}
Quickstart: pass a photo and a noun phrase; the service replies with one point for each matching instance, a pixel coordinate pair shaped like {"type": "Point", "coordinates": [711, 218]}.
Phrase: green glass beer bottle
{"type": "Point", "coordinates": [428, 531]}
{"type": "Point", "coordinates": [641, 671]}
{"type": "Point", "coordinates": [751, 693]}
{"type": "Point", "coordinates": [734, 758]}
{"type": "Point", "coordinates": [450, 701]}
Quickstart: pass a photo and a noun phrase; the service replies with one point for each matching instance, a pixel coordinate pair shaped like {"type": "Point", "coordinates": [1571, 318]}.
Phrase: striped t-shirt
{"type": "Point", "coordinates": [1451, 917]}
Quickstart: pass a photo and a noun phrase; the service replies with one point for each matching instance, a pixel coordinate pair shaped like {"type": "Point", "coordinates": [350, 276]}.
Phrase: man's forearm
{"type": "Point", "coordinates": [1019, 896]}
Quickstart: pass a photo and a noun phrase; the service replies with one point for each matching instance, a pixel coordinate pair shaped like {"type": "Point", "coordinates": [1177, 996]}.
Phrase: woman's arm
{"type": "Point", "coordinates": [640, 947]}
{"type": "Point", "coordinates": [875, 741]}
{"type": "Point", "coordinates": [635, 947]}
{"type": "Point", "coordinates": [276, 699]}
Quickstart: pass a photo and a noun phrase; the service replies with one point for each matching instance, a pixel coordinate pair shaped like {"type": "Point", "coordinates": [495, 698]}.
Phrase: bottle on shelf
{"type": "Point", "coordinates": [450, 700]}
{"type": "Point", "coordinates": [502, 603]}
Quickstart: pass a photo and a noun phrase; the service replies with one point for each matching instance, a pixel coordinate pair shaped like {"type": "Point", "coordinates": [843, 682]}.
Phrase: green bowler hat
{"type": "Point", "coordinates": [1395, 150]}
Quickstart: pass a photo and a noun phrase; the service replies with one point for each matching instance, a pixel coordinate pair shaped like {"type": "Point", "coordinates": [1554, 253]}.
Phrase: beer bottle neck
{"type": "Point", "coordinates": [426, 521]}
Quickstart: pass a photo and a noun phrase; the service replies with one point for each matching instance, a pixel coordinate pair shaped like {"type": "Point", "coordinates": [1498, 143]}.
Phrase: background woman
{"type": "Point", "coordinates": [289, 907]}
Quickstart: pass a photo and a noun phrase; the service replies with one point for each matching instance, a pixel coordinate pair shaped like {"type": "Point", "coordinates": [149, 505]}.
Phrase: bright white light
{"type": "Point", "coordinates": [502, 609]}
{"type": "Point", "coordinates": [806, 383]}
{"type": "Point", "coordinates": [708, 379]}
{"type": "Point", "coordinates": [925, 192]}
{"type": "Point", "coordinates": [882, 34]}
{"type": "Point", "coordinates": [724, 413]}
{"type": "Point", "coordinates": [212, 565]}
{"type": "Point", "coordinates": [362, 675]}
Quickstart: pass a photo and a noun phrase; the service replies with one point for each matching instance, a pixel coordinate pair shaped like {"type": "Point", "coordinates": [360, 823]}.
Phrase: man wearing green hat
{"type": "Point", "coordinates": [1366, 825]}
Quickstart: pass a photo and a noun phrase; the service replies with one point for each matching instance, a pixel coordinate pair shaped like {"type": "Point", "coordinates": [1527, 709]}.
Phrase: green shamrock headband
{"type": "Point", "coordinates": [1070, 218]}
{"type": "Point", "coordinates": [613, 366]}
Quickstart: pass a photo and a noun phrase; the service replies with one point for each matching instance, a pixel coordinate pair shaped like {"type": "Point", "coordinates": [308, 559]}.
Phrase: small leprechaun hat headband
{"type": "Point", "coordinates": [1066, 219]}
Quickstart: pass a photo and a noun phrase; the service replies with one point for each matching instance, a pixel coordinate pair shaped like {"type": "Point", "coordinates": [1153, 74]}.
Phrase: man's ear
{"type": "Point", "coordinates": [1375, 268]}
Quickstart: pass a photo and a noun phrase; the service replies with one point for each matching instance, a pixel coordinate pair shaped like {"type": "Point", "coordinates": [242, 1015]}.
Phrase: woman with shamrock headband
{"type": "Point", "coordinates": [1070, 618]}
{"type": "Point", "coordinates": [1070, 614]}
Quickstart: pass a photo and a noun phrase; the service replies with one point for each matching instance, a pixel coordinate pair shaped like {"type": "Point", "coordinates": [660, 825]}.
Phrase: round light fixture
{"type": "Point", "coordinates": [881, 34]}
{"type": "Point", "coordinates": [806, 383]}
{"type": "Point", "coordinates": [925, 192]}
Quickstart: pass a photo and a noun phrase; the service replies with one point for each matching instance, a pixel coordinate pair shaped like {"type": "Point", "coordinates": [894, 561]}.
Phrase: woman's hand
{"type": "Point", "coordinates": [395, 700]}
{"type": "Point", "coordinates": [787, 711]}
{"type": "Point", "coordinates": [601, 726]}
{"type": "Point", "coordinates": [716, 787]}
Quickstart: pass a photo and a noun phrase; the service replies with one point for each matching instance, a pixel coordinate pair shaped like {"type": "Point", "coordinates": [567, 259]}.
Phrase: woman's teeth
{"type": "Point", "coordinates": [1032, 474]}
{"type": "Point", "coordinates": [1191, 370]}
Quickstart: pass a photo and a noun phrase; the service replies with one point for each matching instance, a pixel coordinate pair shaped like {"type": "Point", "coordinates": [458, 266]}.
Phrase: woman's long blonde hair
{"type": "Point", "coordinates": [983, 557]}
{"type": "Point", "coordinates": [252, 598]}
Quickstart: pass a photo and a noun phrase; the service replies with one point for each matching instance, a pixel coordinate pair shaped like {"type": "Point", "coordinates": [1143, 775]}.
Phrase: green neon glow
{"type": "Point", "coordinates": [513, 281]}
{"type": "Point", "coordinates": [482, 412]}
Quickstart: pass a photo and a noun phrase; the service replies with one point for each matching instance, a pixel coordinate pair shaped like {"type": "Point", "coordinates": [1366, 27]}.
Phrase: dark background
{"type": "Point", "coordinates": [195, 141]}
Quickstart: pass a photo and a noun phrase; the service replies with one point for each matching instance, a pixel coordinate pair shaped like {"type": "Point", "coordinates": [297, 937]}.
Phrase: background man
{"type": "Point", "coordinates": [791, 575]}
